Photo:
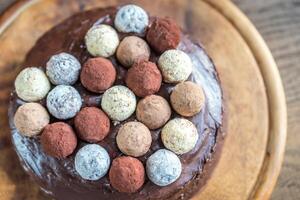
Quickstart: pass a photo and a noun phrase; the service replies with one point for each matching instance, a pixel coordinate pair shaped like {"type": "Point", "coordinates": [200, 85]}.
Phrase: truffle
{"type": "Point", "coordinates": [58, 140]}
{"type": "Point", "coordinates": [63, 102]}
{"type": "Point", "coordinates": [92, 162]}
{"type": "Point", "coordinates": [32, 84]}
{"type": "Point", "coordinates": [31, 118]}
{"type": "Point", "coordinates": [92, 124]}
{"type": "Point", "coordinates": [98, 74]}
{"type": "Point", "coordinates": [144, 78]}
{"type": "Point", "coordinates": [179, 135]}
{"type": "Point", "coordinates": [163, 34]}
{"type": "Point", "coordinates": [134, 139]}
{"type": "Point", "coordinates": [175, 65]}
{"type": "Point", "coordinates": [127, 174]}
{"type": "Point", "coordinates": [187, 98]}
{"type": "Point", "coordinates": [163, 167]}
{"type": "Point", "coordinates": [131, 50]}
{"type": "Point", "coordinates": [118, 102]}
{"type": "Point", "coordinates": [102, 40]}
{"type": "Point", "coordinates": [131, 18]}
{"type": "Point", "coordinates": [154, 111]}
{"type": "Point", "coordinates": [63, 69]}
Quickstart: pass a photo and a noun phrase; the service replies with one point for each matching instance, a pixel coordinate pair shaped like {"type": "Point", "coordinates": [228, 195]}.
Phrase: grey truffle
{"type": "Point", "coordinates": [163, 167]}
{"type": "Point", "coordinates": [92, 162]}
{"type": "Point", "coordinates": [63, 69]}
{"type": "Point", "coordinates": [131, 18]}
{"type": "Point", "coordinates": [64, 102]}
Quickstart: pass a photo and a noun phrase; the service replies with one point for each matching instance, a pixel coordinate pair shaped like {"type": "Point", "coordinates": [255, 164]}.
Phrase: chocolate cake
{"type": "Point", "coordinates": [101, 147]}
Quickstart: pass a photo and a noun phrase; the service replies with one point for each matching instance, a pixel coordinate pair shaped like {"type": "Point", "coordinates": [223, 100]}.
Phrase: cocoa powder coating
{"type": "Point", "coordinates": [92, 124]}
{"type": "Point", "coordinates": [163, 34]}
{"type": "Point", "coordinates": [127, 174]}
{"type": "Point", "coordinates": [144, 78]}
{"type": "Point", "coordinates": [98, 74]}
{"type": "Point", "coordinates": [58, 140]}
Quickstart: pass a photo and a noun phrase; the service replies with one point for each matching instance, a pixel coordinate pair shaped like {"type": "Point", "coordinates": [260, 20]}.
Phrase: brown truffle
{"type": "Point", "coordinates": [187, 98]}
{"type": "Point", "coordinates": [144, 78]}
{"type": "Point", "coordinates": [58, 140]}
{"type": "Point", "coordinates": [163, 34]}
{"type": "Point", "coordinates": [127, 174]}
{"type": "Point", "coordinates": [98, 74]}
{"type": "Point", "coordinates": [31, 118]}
{"type": "Point", "coordinates": [131, 50]}
{"type": "Point", "coordinates": [134, 139]}
{"type": "Point", "coordinates": [92, 124]}
{"type": "Point", "coordinates": [154, 111]}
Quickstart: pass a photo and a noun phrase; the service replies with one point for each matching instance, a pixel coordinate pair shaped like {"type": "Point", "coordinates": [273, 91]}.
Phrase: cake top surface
{"type": "Point", "coordinates": [134, 65]}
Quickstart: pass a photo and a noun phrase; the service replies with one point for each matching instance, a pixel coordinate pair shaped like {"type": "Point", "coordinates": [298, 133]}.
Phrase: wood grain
{"type": "Point", "coordinates": [214, 39]}
{"type": "Point", "coordinates": [279, 23]}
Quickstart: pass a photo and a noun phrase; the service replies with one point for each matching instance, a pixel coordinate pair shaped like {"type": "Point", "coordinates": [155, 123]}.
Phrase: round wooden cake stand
{"type": "Point", "coordinates": [255, 110]}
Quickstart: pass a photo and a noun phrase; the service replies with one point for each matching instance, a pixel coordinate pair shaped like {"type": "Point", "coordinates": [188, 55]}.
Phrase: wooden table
{"type": "Point", "coordinates": [279, 23]}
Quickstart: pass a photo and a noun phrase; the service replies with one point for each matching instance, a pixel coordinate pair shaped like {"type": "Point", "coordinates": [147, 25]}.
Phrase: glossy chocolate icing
{"type": "Point", "coordinates": [58, 178]}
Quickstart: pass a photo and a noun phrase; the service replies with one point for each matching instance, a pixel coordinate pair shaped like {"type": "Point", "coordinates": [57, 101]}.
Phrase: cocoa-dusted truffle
{"type": "Point", "coordinates": [175, 65]}
{"type": "Point", "coordinates": [131, 50]}
{"type": "Point", "coordinates": [58, 140]}
{"type": "Point", "coordinates": [102, 40]}
{"type": "Point", "coordinates": [92, 124]}
{"type": "Point", "coordinates": [131, 18]}
{"type": "Point", "coordinates": [179, 135]}
{"type": "Point", "coordinates": [92, 162]}
{"type": "Point", "coordinates": [63, 102]}
{"type": "Point", "coordinates": [31, 118]}
{"type": "Point", "coordinates": [127, 174]}
{"type": "Point", "coordinates": [144, 78]}
{"type": "Point", "coordinates": [32, 84]}
{"type": "Point", "coordinates": [163, 34]}
{"type": "Point", "coordinates": [154, 111]}
{"type": "Point", "coordinates": [63, 69]}
{"type": "Point", "coordinates": [118, 102]}
{"type": "Point", "coordinates": [163, 167]}
{"type": "Point", "coordinates": [187, 98]}
{"type": "Point", "coordinates": [98, 74]}
{"type": "Point", "coordinates": [134, 139]}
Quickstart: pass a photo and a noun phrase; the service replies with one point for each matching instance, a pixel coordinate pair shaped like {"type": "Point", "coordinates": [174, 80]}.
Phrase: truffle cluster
{"type": "Point", "coordinates": [140, 96]}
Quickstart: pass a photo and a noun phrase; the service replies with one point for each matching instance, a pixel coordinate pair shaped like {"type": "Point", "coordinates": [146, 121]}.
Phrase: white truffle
{"type": "Point", "coordinates": [31, 118]}
{"type": "Point", "coordinates": [64, 102]}
{"type": "Point", "coordinates": [118, 102]}
{"type": "Point", "coordinates": [63, 69]}
{"type": "Point", "coordinates": [179, 135]}
{"type": "Point", "coordinates": [163, 167]}
{"type": "Point", "coordinates": [131, 18]}
{"type": "Point", "coordinates": [102, 40]}
{"type": "Point", "coordinates": [175, 65]}
{"type": "Point", "coordinates": [32, 84]}
{"type": "Point", "coordinates": [92, 162]}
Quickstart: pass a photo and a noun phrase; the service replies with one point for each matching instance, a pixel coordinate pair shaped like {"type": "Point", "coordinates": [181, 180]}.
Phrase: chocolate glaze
{"type": "Point", "coordinates": [58, 178]}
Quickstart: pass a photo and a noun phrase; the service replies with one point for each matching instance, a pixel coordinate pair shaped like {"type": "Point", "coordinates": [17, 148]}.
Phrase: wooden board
{"type": "Point", "coordinates": [278, 23]}
{"type": "Point", "coordinates": [255, 106]}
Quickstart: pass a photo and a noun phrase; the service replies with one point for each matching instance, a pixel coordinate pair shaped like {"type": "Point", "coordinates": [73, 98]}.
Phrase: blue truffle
{"type": "Point", "coordinates": [64, 102]}
{"type": "Point", "coordinates": [63, 69]}
{"type": "Point", "coordinates": [92, 162]}
{"type": "Point", "coordinates": [131, 18]}
{"type": "Point", "coordinates": [163, 167]}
